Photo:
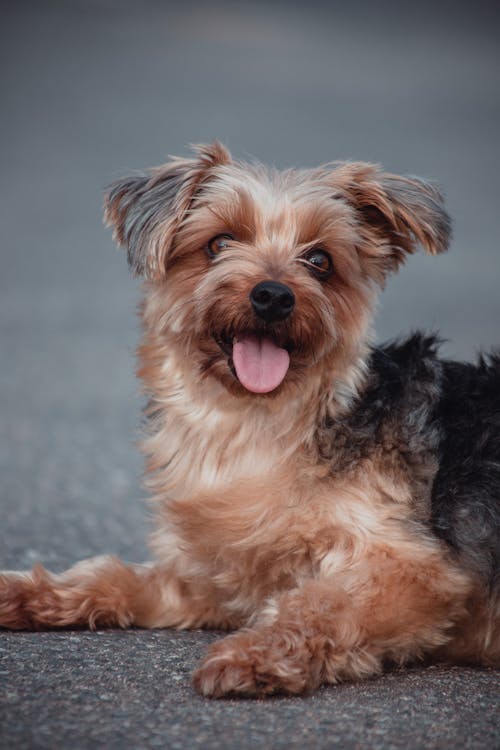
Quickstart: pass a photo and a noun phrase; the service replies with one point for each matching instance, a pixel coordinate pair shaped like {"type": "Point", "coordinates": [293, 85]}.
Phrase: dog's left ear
{"type": "Point", "coordinates": [146, 210]}
{"type": "Point", "coordinates": [395, 214]}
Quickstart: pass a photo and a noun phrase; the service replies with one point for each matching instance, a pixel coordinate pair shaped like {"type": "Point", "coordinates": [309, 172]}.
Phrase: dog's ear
{"type": "Point", "coordinates": [396, 214]}
{"type": "Point", "coordinates": [145, 210]}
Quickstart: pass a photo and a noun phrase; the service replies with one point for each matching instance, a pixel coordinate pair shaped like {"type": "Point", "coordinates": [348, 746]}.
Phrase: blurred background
{"type": "Point", "coordinates": [92, 89]}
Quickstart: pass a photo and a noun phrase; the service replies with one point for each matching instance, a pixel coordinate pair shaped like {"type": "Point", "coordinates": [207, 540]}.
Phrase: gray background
{"type": "Point", "coordinates": [92, 89]}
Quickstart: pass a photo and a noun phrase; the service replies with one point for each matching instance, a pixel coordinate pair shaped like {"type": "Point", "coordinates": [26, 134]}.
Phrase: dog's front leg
{"type": "Point", "coordinates": [101, 592]}
{"type": "Point", "coordinates": [338, 629]}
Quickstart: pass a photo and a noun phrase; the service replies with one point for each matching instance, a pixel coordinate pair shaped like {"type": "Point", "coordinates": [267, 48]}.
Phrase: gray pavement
{"type": "Point", "coordinates": [131, 690]}
{"type": "Point", "coordinates": [92, 89]}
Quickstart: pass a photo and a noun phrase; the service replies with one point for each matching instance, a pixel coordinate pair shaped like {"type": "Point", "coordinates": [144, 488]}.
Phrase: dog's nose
{"type": "Point", "coordinates": [272, 301]}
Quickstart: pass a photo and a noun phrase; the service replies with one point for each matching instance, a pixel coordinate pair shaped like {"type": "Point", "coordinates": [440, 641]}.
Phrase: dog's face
{"type": "Point", "coordinates": [262, 278]}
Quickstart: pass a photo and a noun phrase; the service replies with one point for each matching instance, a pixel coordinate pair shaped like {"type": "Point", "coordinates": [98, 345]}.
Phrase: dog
{"type": "Point", "coordinates": [334, 503]}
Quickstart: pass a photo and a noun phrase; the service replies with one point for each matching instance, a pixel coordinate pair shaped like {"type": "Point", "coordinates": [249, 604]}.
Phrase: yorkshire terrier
{"type": "Point", "coordinates": [335, 503]}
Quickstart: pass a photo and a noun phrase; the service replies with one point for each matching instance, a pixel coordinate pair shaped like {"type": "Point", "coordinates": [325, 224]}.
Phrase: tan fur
{"type": "Point", "coordinates": [330, 572]}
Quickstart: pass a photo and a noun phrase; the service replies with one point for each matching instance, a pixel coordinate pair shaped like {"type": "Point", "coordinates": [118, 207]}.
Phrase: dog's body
{"type": "Point", "coordinates": [339, 502]}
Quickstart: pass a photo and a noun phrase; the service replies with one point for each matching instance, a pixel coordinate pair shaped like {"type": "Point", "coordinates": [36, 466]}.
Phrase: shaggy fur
{"type": "Point", "coordinates": [346, 516]}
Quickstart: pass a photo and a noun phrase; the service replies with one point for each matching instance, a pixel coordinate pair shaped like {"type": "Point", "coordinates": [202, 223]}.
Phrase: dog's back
{"type": "Point", "coordinates": [466, 490]}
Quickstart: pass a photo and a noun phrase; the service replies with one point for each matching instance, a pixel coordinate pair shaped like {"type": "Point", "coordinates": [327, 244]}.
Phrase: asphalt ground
{"type": "Point", "coordinates": [92, 89]}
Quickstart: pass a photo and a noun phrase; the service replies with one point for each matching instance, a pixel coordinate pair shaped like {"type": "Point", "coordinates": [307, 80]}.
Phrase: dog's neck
{"type": "Point", "coordinates": [203, 438]}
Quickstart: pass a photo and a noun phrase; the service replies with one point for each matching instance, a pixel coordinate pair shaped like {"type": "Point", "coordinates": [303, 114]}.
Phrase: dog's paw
{"type": "Point", "coordinates": [255, 663]}
{"type": "Point", "coordinates": [13, 615]}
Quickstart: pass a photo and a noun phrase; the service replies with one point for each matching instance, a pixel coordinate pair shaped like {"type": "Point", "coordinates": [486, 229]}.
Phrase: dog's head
{"type": "Point", "coordinates": [261, 278]}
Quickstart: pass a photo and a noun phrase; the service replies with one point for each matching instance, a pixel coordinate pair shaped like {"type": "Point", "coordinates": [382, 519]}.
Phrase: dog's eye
{"type": "Point", "coordinates": [217, 244]}
{"type": "Point", "coordinates": [319, 263]}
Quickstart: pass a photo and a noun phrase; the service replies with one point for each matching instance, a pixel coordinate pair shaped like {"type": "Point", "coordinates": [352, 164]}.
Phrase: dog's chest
{"type": "Point", "coordinates": [271, 532]}
{"type": "Point", "coordinates": [197, 448]}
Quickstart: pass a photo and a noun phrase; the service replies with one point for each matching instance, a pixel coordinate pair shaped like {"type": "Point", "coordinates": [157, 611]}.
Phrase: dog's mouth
{"type": "Point", "coordinates": [259, 362]}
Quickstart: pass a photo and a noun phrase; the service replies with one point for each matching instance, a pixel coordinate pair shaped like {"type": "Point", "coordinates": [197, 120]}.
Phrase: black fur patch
{"type": "Point", "coordinates": [466, 492]}
{"type": "Point", "coordinates": [436, 423]}
{"type": "Point", "coordinates": [395, 411]}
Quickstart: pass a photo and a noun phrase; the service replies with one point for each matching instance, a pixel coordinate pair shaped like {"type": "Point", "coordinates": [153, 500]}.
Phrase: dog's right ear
{"type": "Point", "coordinates": [146, 210]}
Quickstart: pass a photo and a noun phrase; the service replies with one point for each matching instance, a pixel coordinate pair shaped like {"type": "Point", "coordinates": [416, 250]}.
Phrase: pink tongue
{"type": "Point", "coordinates": [260, 365]}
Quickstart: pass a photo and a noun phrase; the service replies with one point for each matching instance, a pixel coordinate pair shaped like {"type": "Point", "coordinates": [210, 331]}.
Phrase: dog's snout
{"type": "Point", "coordinates": [272, 301]}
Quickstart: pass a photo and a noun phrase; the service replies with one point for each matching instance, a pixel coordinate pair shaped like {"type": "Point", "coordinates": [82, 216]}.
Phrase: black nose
{"type": "Point", "coordinates": [272, 301]}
